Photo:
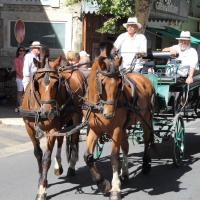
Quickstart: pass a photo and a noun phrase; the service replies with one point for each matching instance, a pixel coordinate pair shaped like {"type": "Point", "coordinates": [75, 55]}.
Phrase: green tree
{"type": "Point", "coordinates": [117, 8]}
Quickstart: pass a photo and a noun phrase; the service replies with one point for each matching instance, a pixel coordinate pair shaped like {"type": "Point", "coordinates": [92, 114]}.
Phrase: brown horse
{"type": "Point", "coordinates": [48, 104]}
{"type": "Point", "coordinates": [116, 104]}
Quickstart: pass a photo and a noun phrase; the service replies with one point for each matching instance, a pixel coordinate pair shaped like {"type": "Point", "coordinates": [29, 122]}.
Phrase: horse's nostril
{"type": "Point", "coordinates": [107, 116]}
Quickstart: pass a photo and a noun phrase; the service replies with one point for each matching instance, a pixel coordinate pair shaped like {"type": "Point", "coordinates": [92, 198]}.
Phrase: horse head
{"type": "Point", "coordinates": [47, 82]}
{"type": "Point", "coordinates": [108, 81]}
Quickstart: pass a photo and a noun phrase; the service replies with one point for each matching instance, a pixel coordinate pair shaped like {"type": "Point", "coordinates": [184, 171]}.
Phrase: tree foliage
{"type": "Point", "coordinates": [117, 8]}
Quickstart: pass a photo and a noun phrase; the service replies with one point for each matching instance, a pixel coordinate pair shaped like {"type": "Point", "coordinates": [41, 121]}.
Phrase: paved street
{"type": "Point", "coordinates": [19, 173]}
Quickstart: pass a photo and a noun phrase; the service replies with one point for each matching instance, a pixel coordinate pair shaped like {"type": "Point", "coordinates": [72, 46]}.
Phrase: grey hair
{"type": "Point", "coordinates": [84, 59]}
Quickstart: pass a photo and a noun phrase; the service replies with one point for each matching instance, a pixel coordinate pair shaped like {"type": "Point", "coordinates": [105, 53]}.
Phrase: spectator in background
{"type": "Point", "coordinates": [29, 67]}
{"type": "Point", "coordinates": [72, 57]}
{"type": "Point", "coordinates": [18, 65]}
{"type": "Point", "coordinates": [85, 64]}
{"type": "Point", "coordinates": [84, 53]}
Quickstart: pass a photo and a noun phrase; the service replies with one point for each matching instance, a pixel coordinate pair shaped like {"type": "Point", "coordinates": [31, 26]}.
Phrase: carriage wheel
{"type": "Point", "coordinates": [98, 149]}
{"type": "Point", "coordinates": [179, 140]}
{"type": "Point", "coordinates": [197, 107]}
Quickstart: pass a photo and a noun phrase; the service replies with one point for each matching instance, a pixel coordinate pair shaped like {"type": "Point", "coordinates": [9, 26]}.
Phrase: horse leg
{"type": "Point", "coordinates": [115, 192]}
{"type": "Point", "coordinates": [124, 175]}
{"type": "Point", "coordinates": [46, 163]}
{"type": "Point", "coordinates": [73, 147]}
{"type": "Point", "coordinates": [148, 138]}
{"type": "Point", "coordinates": [58, 170]}
{"type": "Point", "coordinates": [102, 183]}
{"type": "Point", "coordinates": [36, 145]}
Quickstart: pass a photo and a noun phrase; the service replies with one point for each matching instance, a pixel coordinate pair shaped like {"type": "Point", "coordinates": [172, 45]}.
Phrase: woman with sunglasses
{"type": "Point", "coordinates": [18, 64]}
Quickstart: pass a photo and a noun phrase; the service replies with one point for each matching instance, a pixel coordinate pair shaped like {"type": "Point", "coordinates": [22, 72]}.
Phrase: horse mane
{"type": "Point", "coordinates": [44, 53]}
{"type": "Point", "coordinates": [106, 47]}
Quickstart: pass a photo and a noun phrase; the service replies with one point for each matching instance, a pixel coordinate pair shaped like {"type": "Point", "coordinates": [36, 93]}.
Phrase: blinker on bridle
{"type": "Point", "coordinates": [111, 71]}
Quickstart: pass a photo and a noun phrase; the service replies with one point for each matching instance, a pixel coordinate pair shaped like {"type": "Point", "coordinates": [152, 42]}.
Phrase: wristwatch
{"type": "Point", "coordinates": [191, 75]}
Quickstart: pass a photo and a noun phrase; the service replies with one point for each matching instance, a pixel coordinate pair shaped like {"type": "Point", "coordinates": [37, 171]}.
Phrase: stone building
{"type": "Point", "coordinates": [48, 21]}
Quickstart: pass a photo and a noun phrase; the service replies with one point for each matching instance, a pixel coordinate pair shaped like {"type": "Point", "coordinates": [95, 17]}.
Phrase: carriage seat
{"type": "Point", "coordinates": [180, 87]}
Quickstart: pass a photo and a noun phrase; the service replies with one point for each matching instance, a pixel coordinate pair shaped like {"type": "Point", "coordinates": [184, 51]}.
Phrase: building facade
{"type": "Point", "coordinates": [48, 21]}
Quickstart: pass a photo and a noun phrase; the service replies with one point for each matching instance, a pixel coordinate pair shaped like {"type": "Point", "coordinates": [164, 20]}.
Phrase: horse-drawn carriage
{"type": "Point", "coordinates": [114, 102]}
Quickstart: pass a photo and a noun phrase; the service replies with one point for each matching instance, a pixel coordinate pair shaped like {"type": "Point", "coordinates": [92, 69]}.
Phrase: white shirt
{"type": "Point", "coordinates": [29, 67]}
{"type": "Point", "coordinates": [128, 47]}
{"type": "Point", "coordinates": [189, 58]}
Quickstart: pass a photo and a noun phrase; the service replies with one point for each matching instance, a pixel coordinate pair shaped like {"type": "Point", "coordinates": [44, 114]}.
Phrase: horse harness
{"type": "Point", "coordinates": [63, 110]}
{"type": "Point", "coordinates": [112, 71]}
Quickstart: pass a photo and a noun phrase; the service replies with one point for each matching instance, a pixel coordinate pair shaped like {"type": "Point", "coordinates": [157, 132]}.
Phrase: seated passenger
{"type": "Point", "coordinates": [187, 55]}
{"type": "Point", "coordinates": [189, 63]}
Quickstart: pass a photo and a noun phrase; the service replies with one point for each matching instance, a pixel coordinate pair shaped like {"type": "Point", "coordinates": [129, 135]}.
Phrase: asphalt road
{"type": "Point", "coordinates": [19, 173]}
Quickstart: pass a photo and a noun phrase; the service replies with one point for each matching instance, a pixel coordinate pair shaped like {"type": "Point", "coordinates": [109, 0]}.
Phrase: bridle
{"type": "Point", "coordinates": [110, 72]}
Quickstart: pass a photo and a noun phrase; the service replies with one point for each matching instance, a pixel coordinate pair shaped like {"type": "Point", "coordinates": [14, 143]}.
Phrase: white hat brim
{"type": "Point", "coordinates": [183, 38]}
{"type": "Point", "coordinates": [35, 46]}
{"type": "Point", "coordinates": [138, 25]}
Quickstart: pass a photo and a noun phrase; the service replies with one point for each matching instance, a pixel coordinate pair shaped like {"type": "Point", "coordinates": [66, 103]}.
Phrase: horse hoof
{"type": "Point", "coordinates": [71, 172]}
{"type": "Point", "coordinates": [59, 171]}
{"type": "Point", "coordinates": [104, 186]}
{"type": "Point", "coordinates": [124, 180]}
{"type": "Point", "coordinates": [41, 197]}
{"type": "Point", "coordinates": [146, 168]}
{"type": "Point", "coordinates": [115, 196]}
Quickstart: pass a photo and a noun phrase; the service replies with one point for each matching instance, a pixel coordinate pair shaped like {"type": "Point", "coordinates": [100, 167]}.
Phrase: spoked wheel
{"type": "Point", "coordinates": [99, 146]}
{"type": "Point", "coordinates": [179, 140]}
{"type": "Point", "coordinates": [197, 107]}
{"type": "Point", "coordinates": [98, 150]}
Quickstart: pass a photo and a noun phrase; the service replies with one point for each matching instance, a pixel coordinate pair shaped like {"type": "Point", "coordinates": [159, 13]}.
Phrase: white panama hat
{"type": "Point", "coordinates": [83, 53]}
{"type": "Point", "coordinates": [185, 35]}
{"type": "Point", "coordinates": [35, 44]}
{"type": "Point", "coordinates": [132, 20]}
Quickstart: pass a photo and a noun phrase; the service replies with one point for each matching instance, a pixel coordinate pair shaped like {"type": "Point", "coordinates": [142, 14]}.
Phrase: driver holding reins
{"type": "Point", "coordinates": [131, 43]}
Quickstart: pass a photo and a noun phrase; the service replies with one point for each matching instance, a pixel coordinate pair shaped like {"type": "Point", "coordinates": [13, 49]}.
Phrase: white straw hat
{"type": "Point", "coordinates": [35, 44]}
{"type": "Point", "coordinates": [132, 20]}
{"type": "Point", "coordinates": [83, 53]}
{"type": "Point", "coordinates": [185, 35]}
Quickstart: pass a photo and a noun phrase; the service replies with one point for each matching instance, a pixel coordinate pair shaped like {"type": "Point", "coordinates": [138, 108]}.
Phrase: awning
{"type": "Point", "coordinates": [88, 7]}
{"type": "Point", "coordinates": [174, 33]}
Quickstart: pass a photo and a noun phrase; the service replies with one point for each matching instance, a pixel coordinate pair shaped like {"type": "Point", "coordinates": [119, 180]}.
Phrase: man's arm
{"type": "Point", "coordinates": [172, 51]}
{"type": "Point", "coordinates": [26, 68]}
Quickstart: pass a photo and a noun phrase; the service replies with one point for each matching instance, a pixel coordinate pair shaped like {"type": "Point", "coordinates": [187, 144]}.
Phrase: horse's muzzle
{"type": "Point", "coordinates": [48, 113]}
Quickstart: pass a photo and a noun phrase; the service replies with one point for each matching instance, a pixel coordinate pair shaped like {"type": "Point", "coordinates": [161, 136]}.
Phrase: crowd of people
{"type": "Point", "coordinates": [129, 45]}
{"type": "Point", "coordinates": [25, 68]}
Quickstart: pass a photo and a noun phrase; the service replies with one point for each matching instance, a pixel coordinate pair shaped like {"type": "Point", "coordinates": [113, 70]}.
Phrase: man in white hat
{"type": "Point", "coordinates": [189, 62]}
{"type": "Point", "coordinates": [187, 55]}
{"type": "Point", "coordinates": [29, 67]}
{"type": "Point", "coordinates": [130, 43]}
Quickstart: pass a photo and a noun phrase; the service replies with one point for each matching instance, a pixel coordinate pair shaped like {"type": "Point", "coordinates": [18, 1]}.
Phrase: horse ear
{"type": "Point", "coordinates": [118, 61]}
{"type": "Point", "coordinates": [101, 62]}
{"type": "Point", "coordinates": [55, 63]}
{"type": "Point", "coordinates": [36, 63]}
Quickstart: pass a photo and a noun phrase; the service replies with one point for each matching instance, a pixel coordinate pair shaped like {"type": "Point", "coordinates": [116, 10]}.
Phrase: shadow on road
{"type": "Point", "coordinates": [163, 178]}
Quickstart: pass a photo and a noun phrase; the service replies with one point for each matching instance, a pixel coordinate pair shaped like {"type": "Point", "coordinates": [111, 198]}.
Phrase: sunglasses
{"type": "Point", "coordinates": [21, 50]}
